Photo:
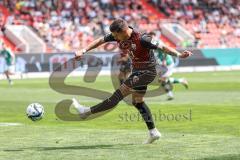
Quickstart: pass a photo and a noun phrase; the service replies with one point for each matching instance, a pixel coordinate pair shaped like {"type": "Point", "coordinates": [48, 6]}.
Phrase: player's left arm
{"type": "Point", "coordinates": [148, 42]}
{"type": "Point", "coordinates": [173, 52]}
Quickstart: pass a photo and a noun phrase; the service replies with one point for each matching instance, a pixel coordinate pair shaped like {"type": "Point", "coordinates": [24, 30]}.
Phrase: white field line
{"type": "Point", "coordinates": [5, 124]}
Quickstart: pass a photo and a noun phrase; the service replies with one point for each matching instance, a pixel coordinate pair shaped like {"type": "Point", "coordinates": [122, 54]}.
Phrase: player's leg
{"type": "Point", "coordinates": [165, 73]}
{"type": "Point", "coordinates": [122, 71]}
{"type": "Point", "coordinates": [104, 106]}
{"type": "Point", "coordinates": [167, 87]}
{"type": "Point", "coordinates": [125, 70]}
{"type": "Point", "coordinates": [182, 81]}
{"type": "Point", "coordinates": [121, 77]}
{"type": "Point", "coordinates": [112, 101]}
{"type": "Point", "coordinates": [127, 73]}
{"type": "Point", "coordinates": [139, 80]}
{"type": "Point", "coordinates": [146, 114]}
{"type": "Point", "coordinates": [172, 80]}
{"type": "Point", "coordinates": [163, 80]}
{"type": "Point", "coordinates": [143, 109]}
{"type": "Point", "coordinates": [136, 79]}
{"type": "Point", "coordinates": [9, 71]}
{"type": "Point", "coordinates": [7, 75]}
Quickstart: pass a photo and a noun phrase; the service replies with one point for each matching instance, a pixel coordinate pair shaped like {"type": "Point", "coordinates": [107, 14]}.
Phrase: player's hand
{"type": "Point", "coordinates": [186, 54]}
{"type": "Point", "coordinates": [79, 54]}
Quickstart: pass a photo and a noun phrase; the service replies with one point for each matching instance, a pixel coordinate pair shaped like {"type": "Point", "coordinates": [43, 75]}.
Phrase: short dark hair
{"type": "Point", "coordinates": [118, 25]}
{"type": "Point", "coordinates": [152, 33]}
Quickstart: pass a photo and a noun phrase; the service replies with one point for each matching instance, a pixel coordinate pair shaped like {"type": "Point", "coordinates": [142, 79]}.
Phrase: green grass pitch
{"type": "Point", "coordinates": [208, 127]}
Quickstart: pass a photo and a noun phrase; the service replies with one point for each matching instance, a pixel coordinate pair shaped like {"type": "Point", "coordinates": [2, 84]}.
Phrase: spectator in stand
{"type": "Point", "coordinates": [203, 16]}
{"type": "Point", "coordinates": [59, 24]}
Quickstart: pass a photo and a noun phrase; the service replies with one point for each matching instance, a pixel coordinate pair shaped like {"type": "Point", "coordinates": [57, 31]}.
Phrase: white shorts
{"type": "Point", "coordinates": [165, 71]}
{"type": "Point", "coordinates": [10, 68]}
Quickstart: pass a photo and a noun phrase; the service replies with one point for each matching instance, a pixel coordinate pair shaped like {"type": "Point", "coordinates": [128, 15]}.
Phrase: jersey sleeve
{"type": "Point", "coordinates": [109, 38]}
{"type": "Point", "coordinates": [148, 42]}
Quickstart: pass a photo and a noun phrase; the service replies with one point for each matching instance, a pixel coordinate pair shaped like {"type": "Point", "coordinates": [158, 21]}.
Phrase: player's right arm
{"type": "Point", "coordinates": [96, 43]}
{"type": "Point", "coordinates": [91, 46]}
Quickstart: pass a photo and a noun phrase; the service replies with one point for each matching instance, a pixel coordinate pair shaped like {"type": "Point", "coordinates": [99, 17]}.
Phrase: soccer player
{"type": "Point", "coordinates": [125, 67]}
{"type": "Point", "coordinates": [165, 67]}
{"type": "Point", "coordinates": [139, 48]}
{"type": "Point", "coordinates": [9, 59]}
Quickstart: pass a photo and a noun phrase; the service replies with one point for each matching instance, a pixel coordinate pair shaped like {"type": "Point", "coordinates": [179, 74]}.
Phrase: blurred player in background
{"type": "Point", "coordinates": [165, 70]}
{"type": "Point", "coordinates": [125, 67]}
{"type": "Point", "coordinates": [139, 48]}
{"type": "Point", "coordinates": [9, 62]}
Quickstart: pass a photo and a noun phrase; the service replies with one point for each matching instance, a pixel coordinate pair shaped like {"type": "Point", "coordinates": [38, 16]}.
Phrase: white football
{"type": "Point", "coordinates": [35, 111]}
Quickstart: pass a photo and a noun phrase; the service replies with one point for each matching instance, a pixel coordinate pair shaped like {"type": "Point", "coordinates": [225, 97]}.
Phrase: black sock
{"type": "Point", "coordinates": [108, 103]}
{"type": "Point", "coordinates": [121, 81]}
{"type": "Point", "coordinates": [146, 114]}
{"type": "Point", "coordinates": [167, 86]}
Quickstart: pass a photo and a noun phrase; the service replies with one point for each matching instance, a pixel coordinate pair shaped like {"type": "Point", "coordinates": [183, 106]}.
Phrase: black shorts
{"type": "Point", "coordinates": [125, 66]}
{"type": "Point", "coordinates": [139, 79]}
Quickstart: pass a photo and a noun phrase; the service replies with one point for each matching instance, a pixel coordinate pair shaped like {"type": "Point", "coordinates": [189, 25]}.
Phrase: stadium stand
{"type": "Point", "coordinates": [67, 24]}
{"type": "Point", "coordinates": [59, 24]}
{"type": "Point", "coordinates": [214, 23]}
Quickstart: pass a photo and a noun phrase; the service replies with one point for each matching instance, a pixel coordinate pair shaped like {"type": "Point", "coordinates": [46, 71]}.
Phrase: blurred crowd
{"type": "Point", "coordinates": [69, 24]}
{"type": "Point", "coordinates": [214, 22]}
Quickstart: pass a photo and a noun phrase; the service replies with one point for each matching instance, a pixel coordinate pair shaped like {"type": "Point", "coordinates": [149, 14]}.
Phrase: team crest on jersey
{"type": "Point", "coordinates": [125, 45]}
{"type": "Point", "coordinates": [128, 45]}
{"type": "Point", "coordinates": [134, 47]}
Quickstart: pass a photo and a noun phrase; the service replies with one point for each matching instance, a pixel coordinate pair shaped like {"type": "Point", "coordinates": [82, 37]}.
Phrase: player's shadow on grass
{"type": "Point", "coordinates": [101, 146]}
{"type": "Point", "coordinates": [85, 147]}
{"type": "Point", "coordinates": [13, 150]}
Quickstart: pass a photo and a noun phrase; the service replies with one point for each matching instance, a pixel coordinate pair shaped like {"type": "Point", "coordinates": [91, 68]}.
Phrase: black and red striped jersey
{"type": "Point", "coordinates": [139, 48]}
